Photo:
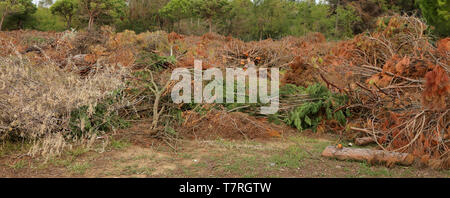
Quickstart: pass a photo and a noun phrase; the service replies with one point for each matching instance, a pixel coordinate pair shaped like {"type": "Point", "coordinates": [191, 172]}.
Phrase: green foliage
{"type": "Point", "coordinates": [65, 9]}
{"type": "Point", "coordinates": [316, 18]}
{"type": "Point", "coordinates": [437, 14]}
{"type": "Point", "coordinates": [245, 19]}
{"type": "Point", "coordinates": [263, 19]}
{"type": "Point", "coordinates": [16, 13]}
{"type": "Point", "coordinates": [136, 25]}
{"type": "Point", "coordinates": [370, 10]}
{"type": "Point", "coordinates": [154, 61]}
{"type": "Point", "coordinates": [239, 16]}
{"type": "Point", "coordinates": [142, 16]}
{"type": "Point", "coordinates": [101, 118]}
{"type": "Point", "coordinates": [8, 7]}
{"type": "Point", "coordinates": [346, 18]}
{"type": "Point", "coordinates": [105, 10]}
{"type": "Point", "coordinates": [325, 105]}
{"type": "Point", "coordinates": [177, 9]}
{"type": "Point", "coordinates": [271, 18]}
{"type": "Point", "coordinates": [210, 9]}
{"type": "Point", "coordinates": [43, 20]}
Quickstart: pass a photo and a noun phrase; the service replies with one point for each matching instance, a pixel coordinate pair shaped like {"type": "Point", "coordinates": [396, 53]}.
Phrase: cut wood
{"type": "Point", "coordinates": [372, 156]}
{"type": "Point", "coordinates": [364, 141]}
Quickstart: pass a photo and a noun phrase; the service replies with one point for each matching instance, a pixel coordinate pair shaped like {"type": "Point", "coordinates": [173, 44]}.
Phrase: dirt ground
{"type": "Point", "coordinates": [130, 155]}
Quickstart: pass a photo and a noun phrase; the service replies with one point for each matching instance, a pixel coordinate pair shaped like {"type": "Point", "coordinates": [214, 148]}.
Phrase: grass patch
{"type": "Point", "coordinates": [136, 170]}
{"type": "Point", "coordinates": [18, 165]}
{"type": "Point", "coordinates": [79, 168]}
{"type": "Point", "coordinates": [8, 147]}
{"type": "Point", "coordinates": [186, 155]}
{"type": "Point", "coordinates": [291, 157]}
{"type": "Point", "coordinates": [241, 165]}
{"type": "Point", "coordinates": [367, 170]}
{"type": "Point", "coordinates": [119, 144]}
{"type": "Point", "coordinates": [143, 157]}
{"type": "Point", "coordinates": [77, 151]}
{"type": "Point", "coordinates": [61, 162]}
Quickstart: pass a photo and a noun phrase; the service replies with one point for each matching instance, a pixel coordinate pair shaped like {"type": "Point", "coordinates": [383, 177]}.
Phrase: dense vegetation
{"type": "Point", "coordinates": [246, 19]}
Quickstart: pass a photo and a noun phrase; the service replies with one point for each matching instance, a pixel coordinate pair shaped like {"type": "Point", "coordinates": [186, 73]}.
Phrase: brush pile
{"type": "Point", "coordinates": [390, 86]}
{"type": "Point", "coordinates": [230, 125]}
{"type": "Point", "coordinates": [49, 104]}
{"type": "Point", "coordinates": [398, 85]}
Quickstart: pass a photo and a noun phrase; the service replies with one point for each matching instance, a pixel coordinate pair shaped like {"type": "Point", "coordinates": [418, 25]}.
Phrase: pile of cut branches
{"type": "Point", "coordinates": [398, 84]}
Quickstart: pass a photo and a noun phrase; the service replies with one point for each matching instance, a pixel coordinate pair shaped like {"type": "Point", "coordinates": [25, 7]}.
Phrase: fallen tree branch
{"type": "Point", "coordinates": [372, 156]}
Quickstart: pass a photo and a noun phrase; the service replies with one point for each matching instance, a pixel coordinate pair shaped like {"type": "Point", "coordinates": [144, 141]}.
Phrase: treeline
{"type": "Point", "coordinates": [246, 19]}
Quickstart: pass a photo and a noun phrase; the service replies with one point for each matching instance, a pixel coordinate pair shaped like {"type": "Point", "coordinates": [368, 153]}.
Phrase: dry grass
{"type": "Point", "coordinates": [36, 102]}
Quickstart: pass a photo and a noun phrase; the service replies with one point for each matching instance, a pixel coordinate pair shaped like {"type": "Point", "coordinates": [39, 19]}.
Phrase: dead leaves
{"type": "Point", "coordinates": [437, 89]}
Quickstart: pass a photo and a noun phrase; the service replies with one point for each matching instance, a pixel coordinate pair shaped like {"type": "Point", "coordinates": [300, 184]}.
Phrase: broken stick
{"type": "Point", "coordinates": [372, 156]}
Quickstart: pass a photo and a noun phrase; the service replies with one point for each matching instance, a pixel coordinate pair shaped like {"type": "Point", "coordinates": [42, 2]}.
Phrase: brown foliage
{"type": "Point", "coordinates": [437, 89]}
{"type": "Point", "coordinates": [301, 74]}
{"type": "Point", "coordinates": [236, 125]}
{"type": "Point", "coordinates": [397, 82]}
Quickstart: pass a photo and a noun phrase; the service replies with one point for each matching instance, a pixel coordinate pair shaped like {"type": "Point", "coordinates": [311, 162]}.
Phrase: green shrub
{"type": "Point", "coordinates": [155, 61]}
{"type": "Point", "coordinates": [323, 105]}
{"type": "Point", "coordinates": [101, 118]}
{"type": "Point", "coordinates": [437, 14]}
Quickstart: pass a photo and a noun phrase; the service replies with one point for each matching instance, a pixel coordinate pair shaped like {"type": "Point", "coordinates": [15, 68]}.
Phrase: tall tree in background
{"type": "Point", "coordinates": [96, 8]}
{"type": "Point", "coordinates": [210, 9]}
{"type": "Point", "coordinates": [176, 10]}
{"type": "Point", "coordinates": [239, 18]}
{"type": "Point", "coordinates": [66, 9]}
{"type": "Point", "coordinates": [25, 9]}
{"type": "Point", "coordinates": [312, 17]}
{"type": "Point", "coordinates": [144, 14]}
{"type": "Point", "coordinates": [8, 7]}
{"type": "Point", "coordinates": [369, 10]}
{"type": "Point", "coordinates": [144, 8]}
{"type": "Point", "coordinates": [437, 13]}
{"type": "Point", "coordinates": [272, 18]}
{"type": "Point", "coordinates": [346, 19]}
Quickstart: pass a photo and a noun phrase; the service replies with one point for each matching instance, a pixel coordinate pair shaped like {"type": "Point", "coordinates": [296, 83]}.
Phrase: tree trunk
{"type": "Point", "coordinates": [91, 22]}
{"type": "Point", "coordinates": [337, 19]}
{"type": "Point", "coordinates": [69, 21]}
{"type": "Point", "coordinates": [260, 34]}
{"type": "Point", "coordinates": [19, 24]}
{"type": "Point", "coordinates": [372, 156]}
{"type": "Point", "coordinates": [3, 18]}
{"type": "Point", "coordinates": [1, 21]}
{"type": "Point", "coordinates": [210, 24]}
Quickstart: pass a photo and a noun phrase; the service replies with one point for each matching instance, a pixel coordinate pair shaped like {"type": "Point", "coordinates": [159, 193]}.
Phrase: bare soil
{"type": "Point", "coordinates": [131, 153]}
